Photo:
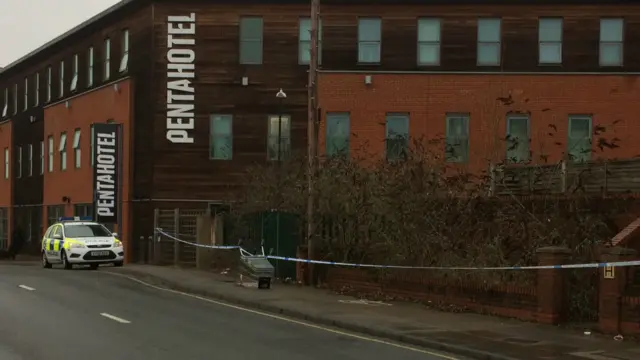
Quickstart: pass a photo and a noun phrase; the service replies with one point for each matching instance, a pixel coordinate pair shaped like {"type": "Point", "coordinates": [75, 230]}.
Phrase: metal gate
{"type": "Point", "coordinates": [180, 223]}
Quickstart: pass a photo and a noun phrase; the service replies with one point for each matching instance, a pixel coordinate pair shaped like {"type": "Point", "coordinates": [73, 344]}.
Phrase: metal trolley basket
{"type": "Point", "coordinates": [256, 267]}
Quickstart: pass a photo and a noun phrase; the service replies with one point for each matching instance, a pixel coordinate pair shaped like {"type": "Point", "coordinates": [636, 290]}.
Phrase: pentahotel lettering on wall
{"type": "Point", "coordinates": [105, 172]}
{"type": "Point", "coordinates": [181, 57]}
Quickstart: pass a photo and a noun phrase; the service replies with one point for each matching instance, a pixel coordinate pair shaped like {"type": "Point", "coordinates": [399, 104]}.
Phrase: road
{"type": "Point", "coordinates": [58, 314]}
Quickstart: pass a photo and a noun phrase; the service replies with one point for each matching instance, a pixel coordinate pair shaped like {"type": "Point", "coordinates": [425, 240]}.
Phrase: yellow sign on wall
{"type": "Point", "coordinates": [609, 272]}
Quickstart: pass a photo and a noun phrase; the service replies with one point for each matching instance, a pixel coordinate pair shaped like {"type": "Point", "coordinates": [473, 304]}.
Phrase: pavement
{"type": "Point", "coordinates": [55, 314]}
{"type": "Point", "coordinates": [464, 334]}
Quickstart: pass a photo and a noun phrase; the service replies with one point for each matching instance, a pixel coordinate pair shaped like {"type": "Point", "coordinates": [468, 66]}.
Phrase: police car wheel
{"type": "Point", "coordinates": [65, 262]}
{"type": "Point", "coordinates": [45, 263]}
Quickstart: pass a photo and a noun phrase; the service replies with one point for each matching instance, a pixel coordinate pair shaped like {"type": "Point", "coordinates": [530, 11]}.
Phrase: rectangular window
{"type": "Point", "coordinates": [5, 107]}
{"type": "Point", "coordinates": [251, 40]}
{"type": "Point", "coordinates": [369, 40]}
{"type": "Point", "coordinates": [124, 62]}
{"type": "Point", "coordinates": [19, 164]}
{"type": "Point", "coordinates": [61, 77]}
{"type": "Point", "coordinates": [4, 228]}
{"type": "Point", "coordinates": [15, 99]}
{"type": "Point", "coordinates": [457, 138]}
{"type": "Point", "coordinates": [279, 128]}
{"type": "Point", "coordinates": [489, 35]}
{"type": "Point", "coordinates": [63, 151]}
{"type": "Point", "coordinates": [221, 141]}
{"type": "Point", "coordinates": [30, 165]}
{"type": "Point", "coordinates": [26, 94]}
{"type": "Point", "coordinates": [397, 136]}
{"type": "Point", "coordinates": [6, 163]}
{"type": "Point", "coordinates": [304, 41]}
{"type": "Point", "coordinates": [41, 157]}
{"type": "Point", "coordinates": [337, 136]}
{"type": "Point", "coordinates": [54, 213]}
{"type": "Point", "coordinates": [76, 149]}
{"type": "Point", "coordinates": [36, 95]}
{"type": "Point", "coordinates": [49, 82]}
{"type": "Point", "coordinates": [611, 42]}
{"type": "Point", "coordinates": [83, 210]}
{"type": "Point", "coordinates": [106, 75]}
{"type": "Point", "coordinates": [90, 62]}
{"type": "Point", "coordinates": [74, 74]}
{"type": "Point", "coordinates": [517, 138]}
{"type": "Point", "coordinates": [550, 41]}
{"type": "Point", "coordinates": [50, 165]}
{"type": "Point", "coordinates": [429, 41]}
{"type": "Point", "coordinates": [579, 141]}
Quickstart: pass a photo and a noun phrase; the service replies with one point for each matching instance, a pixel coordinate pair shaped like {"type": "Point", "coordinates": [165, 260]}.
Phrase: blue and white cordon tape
{"type": "Point", "coordinates": [539, 267]}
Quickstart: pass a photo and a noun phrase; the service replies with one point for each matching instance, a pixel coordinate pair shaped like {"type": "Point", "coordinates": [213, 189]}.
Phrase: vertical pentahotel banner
{"type": "Point", "coordinates": [105, 172]}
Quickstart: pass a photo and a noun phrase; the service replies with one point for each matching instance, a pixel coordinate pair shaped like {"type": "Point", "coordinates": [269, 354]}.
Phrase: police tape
{"type": "Point", "coordinates": [377, 266]}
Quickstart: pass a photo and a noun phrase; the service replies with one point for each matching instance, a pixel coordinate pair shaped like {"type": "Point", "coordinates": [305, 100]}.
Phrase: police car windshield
{"type": "Point", "coordinates": [85, 230]}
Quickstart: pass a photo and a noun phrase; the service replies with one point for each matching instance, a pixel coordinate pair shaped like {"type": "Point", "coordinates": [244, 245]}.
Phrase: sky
{"type": "Point", "coordinates": [25, 25]}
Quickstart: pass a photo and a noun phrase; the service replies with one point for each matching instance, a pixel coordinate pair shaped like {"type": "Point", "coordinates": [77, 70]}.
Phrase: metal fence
{"type": "Point", "coordinates": [180, 223]}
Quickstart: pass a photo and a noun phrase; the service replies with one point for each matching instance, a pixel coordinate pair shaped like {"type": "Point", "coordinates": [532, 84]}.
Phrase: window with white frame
{"type": "Point", "coordinates": [5, 108]}
{"type": "Point", "coordinates": [41, 157]}
{"type": "Point", "coordinates": [36, 94]}
{"type": "Point", "coordinates": [90, 62]}
{"type": "Point", "coordinates": [304, 41]}
{"type": "Point", "coordinates": [579, 139]}
{"type": "Point", "coordinates": [106, 71]}
{"type": "Point", "coordinates": [489, 42]}
{"type": "Point", "coordinates": [457, 138]}
{"type": "Point", "coordinates": [550, 41]}
{"type": "Point", "coordinates": [51, 151]}
{"type": "Point", "coordinates": [397, 136]}
{"type": "Point", "coordinates": [74, 74]}
{"type": "Point", "coordinates": [49, 83]}
{"type": "Point", "coordinates": [76, 149]}
{"type": "Point", "coordinates": [30, 159]}
{"type": "Point", "coordinates": [61, 78]}
{"type": "Point", "coordinates": [63, 151]}
{"type": "Point", "coordinates": [19, 162]}
{"type": "Point", "coordinates": [221, 137]}
{"type": "Point", "coordinates": [251, 38]}
{"type": "Point", "coordinates": [517, 138]}
{"type": "Point", "coordinates": [124, 62]}
{"type": "Point", "coordinates": [279, 129]}
{"type": "Point", "coordinates": [6, 163]}
{"type": "Point", "coordinates": [611, 42]}
{"type": "Point", "coordinates": [429, 41]}
{"type": "Point", "coordinates": [369, 40]}
{"type": "Point", "coordinates": [15, 99]}
{"type": "Point", "coordinates": [26, 94]}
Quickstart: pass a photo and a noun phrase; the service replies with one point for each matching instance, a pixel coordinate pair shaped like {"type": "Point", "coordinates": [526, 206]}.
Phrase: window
{"type": "Point", "coordinates": [124, 62]}
{"type": "Point", "coordinates": [63, 151]}
{"type": "Point", "coordinates": [106, 75]}
{"type": "Point", "coordinates": [489, 42]}
{"type": "Point", "coordinates": [579, 142]}
{"type": "Point", "coordinates": [76, 149]}
{"type": "Point", "coordinates": [6, 163]}
{"type": "Point", "coordinates": [397, 136]}
{"type": "Point", "coordinates": [611, 42]}
{"type": "Point", "coordinates": [4, 228]}
{"type": "Point", "coordinates": [19, 159]}
{"type": "Point", "coordinates": [26, 94]}
{"type": "Point", "coordinates": [517, 138]}
{"type": "Point", "coordinates": [221, 142]}
{"type": "Point", "coordinates": [74, 74]}
{"type": "Point", "coordinates": [550, 41]}
{"type": "Point", "coordinates": [54, 212]}
{"type": "Point", "coordinates": [90, 62]}
{"type": "Point", "coordinates": [429, 41]}
{"type": "Point", "coordinates": [61, 76]}
{"type": "Point", "coordinates": [30, 165]}
{"type": "Point", "coordinates": [41, 157]}
{"type": "Point", "coordinates": [251, 40]}
{"type": "Point", "coordinates": [5, 109]}
{"type": "Point", "coordinates": [36, 95]}
{"type": "Point", "coordinates": [369, 40]}
{"type": "Point", "coordinates": [304, 41]}
{"type": "Point", "coordinates": [83, 210]}
{"type": "Point", "coordinates": [279, 127]}
{"type": "Point", "coordinates": [15, 99]}
{"type": "Point", "coordinates": [337, 138]}
{"type": "Point", "coordinates": [457, 138]}
{"type": "Point", "coordinates": [50, 165]}
{"type": "Point", "coordinates": [49, 82]}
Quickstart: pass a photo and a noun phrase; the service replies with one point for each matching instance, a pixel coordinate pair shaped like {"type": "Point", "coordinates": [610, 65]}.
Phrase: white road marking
{"type": "Point", "coordinates": [115, 318]}
{"type": "Point", "coordinates": [25, 287]}
{"type": "Point", "coordinates": [282, 318]}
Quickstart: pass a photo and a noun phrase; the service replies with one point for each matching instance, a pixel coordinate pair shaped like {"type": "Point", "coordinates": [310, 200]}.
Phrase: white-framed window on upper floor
{"type": "Point", "coordinates": [429, 41]}
{"type": "Point", "coordinates": [369, 40]}
{"type": "Point", "coordinates": [30, 160]}
{"type": "Point", "coordinates": [124, 62]}
{"type": "Point", "coordinates": [36, 89]}
{"type": "Point", "coordinates": [61, 80]}
{"type": "Point", "coordinates": [41, 157]}
{"type": "Point", "coordinates": [6, 163]}
{"type": "Point", "coordinates": [611, 42]}
{"type": "Point", "coordinates": [304, 41]}
{"type": "Point", "coordinates": [77, 153]}
{"type": "Point", "coordinates": [106, 70]}
{"type": "Point", "coordinates": [251, 39]}
{"type": "Point", "coordinates": [63, 151]}
{"type": "Point", "coordinates": [26, 94]}
{"type": "Point", "coordinates": [18, 162]}
{"type": "Point", "coordinates": [15, 99]}
{"type": "Point", "coordinates": [5, 104]}
{"type": "Point", "coordinates": [550, 41]}
{"type": "Point", "coordinates": [49, 82]}
{"type": "Point", "coordinates": [74, 73]}
{"type": "Point", "coordinates": [51, 151]}
{"type": "Point", "coordinates": [90, 63]}
{"type": "Point", "coordinates": [489, 41]}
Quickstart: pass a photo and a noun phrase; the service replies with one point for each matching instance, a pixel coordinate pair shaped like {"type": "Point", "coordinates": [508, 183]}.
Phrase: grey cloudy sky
{"type": "Point", "coordinates": [25, 25]}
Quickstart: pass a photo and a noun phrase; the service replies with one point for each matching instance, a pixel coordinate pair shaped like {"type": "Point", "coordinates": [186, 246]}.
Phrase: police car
{"type": "Point", "coordinates": [80, 241]}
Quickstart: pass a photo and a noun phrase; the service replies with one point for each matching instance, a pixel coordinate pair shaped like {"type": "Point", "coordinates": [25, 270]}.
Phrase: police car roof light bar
{"type": "Point", "coordinates": [75, 218]}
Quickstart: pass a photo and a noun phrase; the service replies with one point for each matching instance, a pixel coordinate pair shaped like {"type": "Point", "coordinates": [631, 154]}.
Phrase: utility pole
{"type": "Point", "coordinates": [312, 137]}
